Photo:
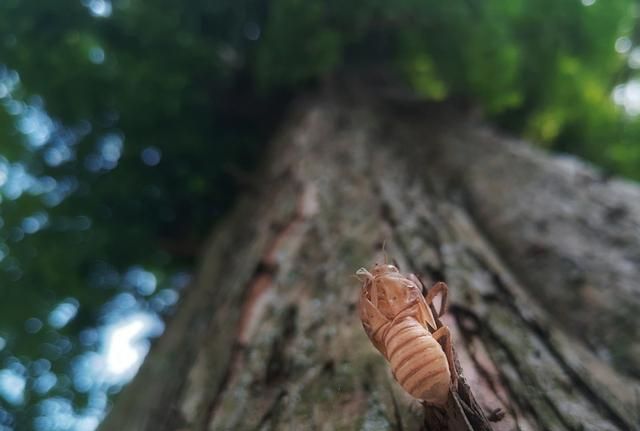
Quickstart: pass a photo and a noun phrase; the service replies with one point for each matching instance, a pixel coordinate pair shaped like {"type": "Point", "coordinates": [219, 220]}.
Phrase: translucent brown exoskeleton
{"type": "Point", "coordinates": [400, 323]}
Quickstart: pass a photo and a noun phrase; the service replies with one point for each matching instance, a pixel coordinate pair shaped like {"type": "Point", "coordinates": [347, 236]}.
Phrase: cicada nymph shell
{"type": "Point", "coordinates": [400, 324]}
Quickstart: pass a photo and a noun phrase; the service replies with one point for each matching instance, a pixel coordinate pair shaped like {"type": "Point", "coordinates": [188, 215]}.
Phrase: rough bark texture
{"type": "Point", "coordinates": [540, 254]}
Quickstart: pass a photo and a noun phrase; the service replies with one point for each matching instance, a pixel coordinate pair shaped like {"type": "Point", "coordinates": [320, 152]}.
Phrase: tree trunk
{"type": "Point", "coordinates": [541, 257]}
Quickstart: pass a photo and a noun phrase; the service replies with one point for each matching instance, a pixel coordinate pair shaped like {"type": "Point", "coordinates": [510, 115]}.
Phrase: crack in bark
{"type": "Point", "coordinates": [272, 411]}
{"type": "Point", "coordinates": [525, 378]}
{"type": "Point", "coordinates": [462, 316]}
{"type": "Point", "coordinates": [277, 365]}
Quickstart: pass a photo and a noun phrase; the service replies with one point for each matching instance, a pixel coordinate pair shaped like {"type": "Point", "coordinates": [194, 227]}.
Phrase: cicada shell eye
{"type": "Point", "coordinates": [392, 268]}
{"type": "Point", "coordinates": [383, 269]}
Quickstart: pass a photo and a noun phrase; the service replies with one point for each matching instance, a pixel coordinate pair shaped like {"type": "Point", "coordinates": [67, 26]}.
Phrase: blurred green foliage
{"type": "Point", "coordinates": [156, 106]}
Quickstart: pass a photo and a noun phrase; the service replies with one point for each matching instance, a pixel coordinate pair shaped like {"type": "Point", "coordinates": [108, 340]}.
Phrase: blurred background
{"type": "Point", "coordinates": [127, 127]}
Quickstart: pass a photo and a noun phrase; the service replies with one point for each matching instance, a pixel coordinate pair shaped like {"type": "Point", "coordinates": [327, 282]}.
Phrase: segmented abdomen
{"type": "Point", "coordinates": [418, 361]}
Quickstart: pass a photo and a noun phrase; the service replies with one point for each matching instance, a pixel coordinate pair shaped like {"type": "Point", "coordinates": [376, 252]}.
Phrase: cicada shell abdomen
{"type": "Point", "coordinates": [418, 362]}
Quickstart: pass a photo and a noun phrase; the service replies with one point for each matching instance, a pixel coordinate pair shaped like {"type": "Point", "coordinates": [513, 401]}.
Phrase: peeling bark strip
{"type": "Point", "coordinates": [269, 337]}
{"type": "Point", "coordinates": [285, 241]}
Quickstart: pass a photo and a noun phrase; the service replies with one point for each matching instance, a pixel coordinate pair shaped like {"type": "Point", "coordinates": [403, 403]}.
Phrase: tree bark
{"type": "Point", "coordinates": [540, 254]}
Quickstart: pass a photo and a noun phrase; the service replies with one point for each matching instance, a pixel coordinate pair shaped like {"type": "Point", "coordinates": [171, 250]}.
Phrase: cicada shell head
{"type": "Point", "coordinates": [390, 291]}
{"type": "Point", "coordinates": [385, 293]}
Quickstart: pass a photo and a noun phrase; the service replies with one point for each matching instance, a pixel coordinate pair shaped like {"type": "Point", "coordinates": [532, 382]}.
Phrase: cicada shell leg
{"type": "Point", "coordinates": [416, 280]}
{"type": "Point", "coordinates": [425, 314]}
{"type": "Point", "coordinates": [439, 288]}
{"type": "Point", "coordinates": [373, 322]}
{"type": "Point", "coordinates": [443, 336]}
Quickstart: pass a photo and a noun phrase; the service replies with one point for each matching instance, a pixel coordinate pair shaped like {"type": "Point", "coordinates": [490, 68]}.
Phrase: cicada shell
{"type": "Point", "coordinates": [401, 325]}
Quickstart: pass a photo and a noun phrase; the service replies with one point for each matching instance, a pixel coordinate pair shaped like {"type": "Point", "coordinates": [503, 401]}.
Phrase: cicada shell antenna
{"type": "Point", "coordinates": [384, 251]}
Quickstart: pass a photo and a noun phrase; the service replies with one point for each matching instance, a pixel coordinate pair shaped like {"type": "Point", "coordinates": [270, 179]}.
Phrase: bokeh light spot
{"type": "Point", "coordinates": [98, 8]}
{"type": "Point", "coordinates": [623, 45]}
{"type": "Point", "coordinates": [33, 325]}
{"type": "Point", "coordinates": [144, 282]}
{"type": "Point", "coordinates": [63, 313]}
{"type": "Point", "coordinates": [125, 345]}
{"type": "Point", "coordinates": [252, 31]}
{"type": "Point", "coordinates": [151, 156]}
{"type": "Point", "coordinates": [96, 55]}
{"type": "Point", "coordinates": [12, 386]}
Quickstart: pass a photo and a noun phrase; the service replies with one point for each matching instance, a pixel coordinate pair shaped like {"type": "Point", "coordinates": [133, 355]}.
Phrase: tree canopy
{"type": "Point", "coordinates": [126, 128]}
